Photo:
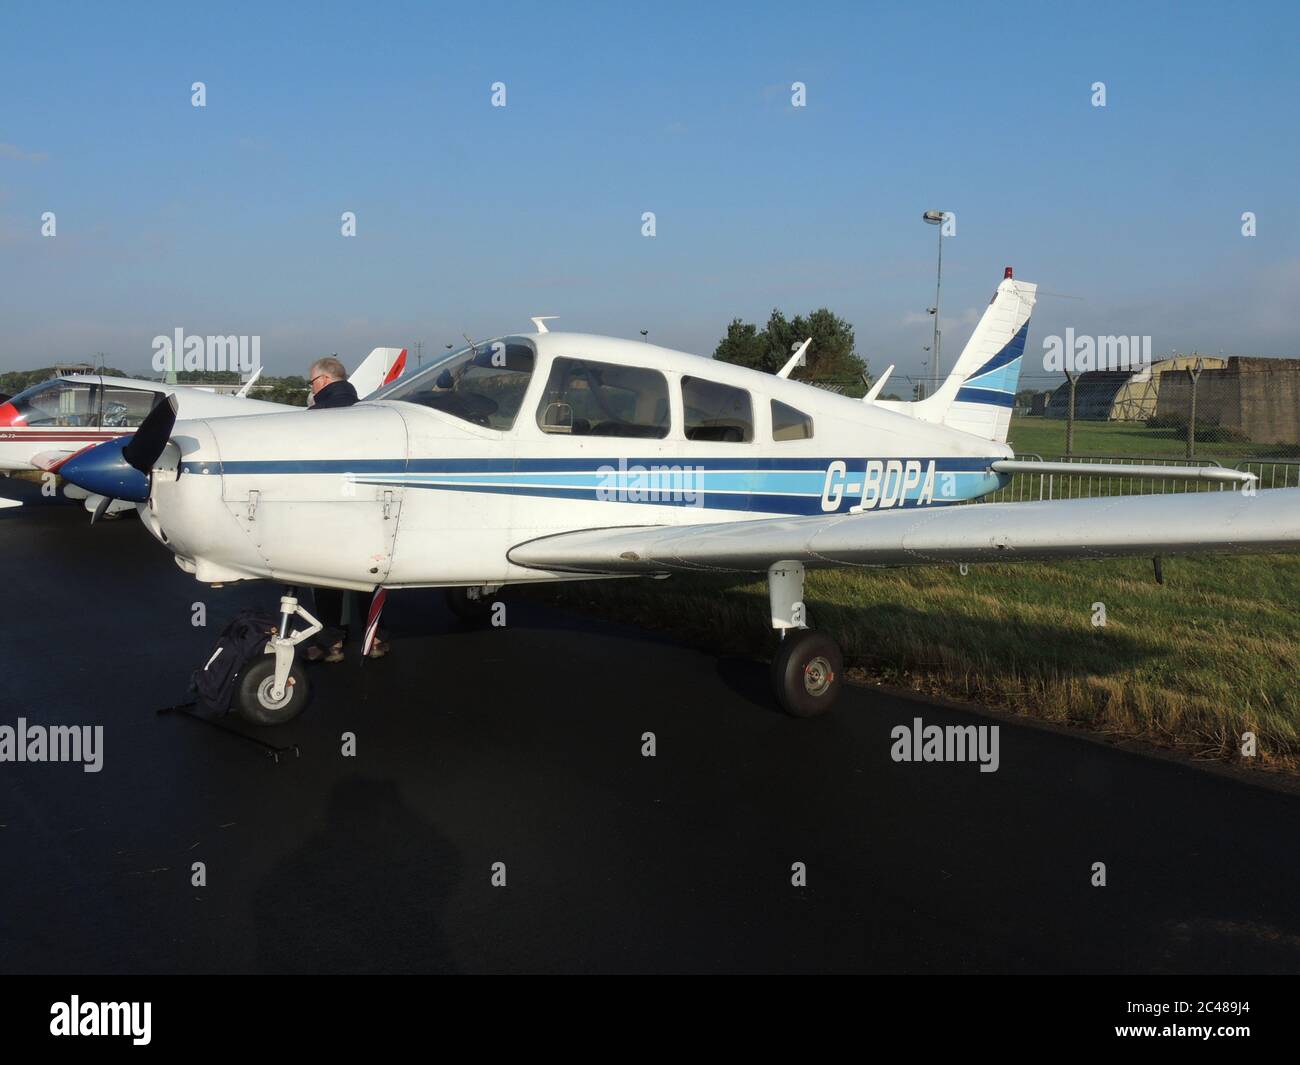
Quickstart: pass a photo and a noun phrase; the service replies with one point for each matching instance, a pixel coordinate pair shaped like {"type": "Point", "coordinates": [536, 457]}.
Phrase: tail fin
{"type": "Point", "coordinates": [978, 395]}
{"type": "Point", "coordinates": [379, 368]}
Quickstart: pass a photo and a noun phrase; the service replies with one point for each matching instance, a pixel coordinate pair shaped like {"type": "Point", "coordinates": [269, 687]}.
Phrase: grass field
{"type": "Point", "coordinates": [1192, 664]}
{"type": "Point", "coordinates": [1046, 437]}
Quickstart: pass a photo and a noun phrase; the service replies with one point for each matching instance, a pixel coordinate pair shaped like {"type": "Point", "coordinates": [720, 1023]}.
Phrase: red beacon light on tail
{"type": "Point", "coordinates": [1006, 273]}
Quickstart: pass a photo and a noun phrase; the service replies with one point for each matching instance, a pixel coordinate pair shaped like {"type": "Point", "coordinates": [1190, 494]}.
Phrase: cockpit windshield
{"type": "Point", "coordinates": [60, 403]}
{"type": "Point", "coordinates": [57, 403]}
{"type": "Point", "coordinates": [483, 383]}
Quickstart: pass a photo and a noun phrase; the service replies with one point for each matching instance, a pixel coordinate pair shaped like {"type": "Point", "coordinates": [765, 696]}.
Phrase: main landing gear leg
{"type": "Point", "coordinates": [807, 673]}
{"type": "Point", "coordinates": [275, 690]}
{"type": "Point", "coordinates": [473, 605]}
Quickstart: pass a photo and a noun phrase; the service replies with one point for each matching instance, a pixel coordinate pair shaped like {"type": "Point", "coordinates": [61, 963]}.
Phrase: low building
{"type": "Point", "coordinates": [1255, 399]}
{"type": "Point", "coordinates": [1122, 395]}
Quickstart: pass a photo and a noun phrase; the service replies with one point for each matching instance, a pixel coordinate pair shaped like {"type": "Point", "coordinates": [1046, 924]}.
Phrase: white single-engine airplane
{"type": "Point", "coordinates": [45, 425]}
{"type": "Point", "coordinates": [554, 456]}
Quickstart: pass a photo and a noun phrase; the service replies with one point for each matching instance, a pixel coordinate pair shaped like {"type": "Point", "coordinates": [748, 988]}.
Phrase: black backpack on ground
{"type": "Point", "coordinates": [240, 643]}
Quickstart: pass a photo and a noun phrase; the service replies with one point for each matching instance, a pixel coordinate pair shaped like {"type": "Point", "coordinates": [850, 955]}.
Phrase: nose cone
{"type": "Point", "coordinates": [105, 472]}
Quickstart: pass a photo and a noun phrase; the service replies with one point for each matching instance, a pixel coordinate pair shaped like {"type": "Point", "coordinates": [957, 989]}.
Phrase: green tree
{"type": "Point", "coordinates": [831, 356]}
{"type": "Point", "coordinates": [291, 389]}
{"type": "Point", "coordinates": [744, 346]}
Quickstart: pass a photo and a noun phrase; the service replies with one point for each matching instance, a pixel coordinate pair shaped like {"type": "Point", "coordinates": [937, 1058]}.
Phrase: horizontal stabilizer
{"type": "Point", "coordinates": [1119, 469]}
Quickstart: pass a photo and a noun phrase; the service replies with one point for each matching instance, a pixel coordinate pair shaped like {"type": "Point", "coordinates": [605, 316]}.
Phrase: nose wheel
{"type": "Point", "coordinates": [808, 671]}
{"type": "Point", "coordinates": [255, 697]}
{"type": "Point", "coordinates": [274, 689]}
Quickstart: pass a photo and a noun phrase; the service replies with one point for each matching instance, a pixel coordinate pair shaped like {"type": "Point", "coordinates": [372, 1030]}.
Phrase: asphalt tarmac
{"type": "Point", "coordinates": [522, 745]}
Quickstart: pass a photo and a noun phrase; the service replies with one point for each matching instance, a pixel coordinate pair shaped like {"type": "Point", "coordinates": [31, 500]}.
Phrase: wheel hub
{"type": "Point", "coordinates": [818, 676]}
{"type": "Point", "coordinates": [268, 701]}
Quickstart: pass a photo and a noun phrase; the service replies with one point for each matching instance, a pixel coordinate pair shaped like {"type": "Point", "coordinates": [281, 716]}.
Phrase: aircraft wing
{"type": "Point", "coordinates": [1238, 522]}
{"type": "Point", "coordinates": [50, 461]}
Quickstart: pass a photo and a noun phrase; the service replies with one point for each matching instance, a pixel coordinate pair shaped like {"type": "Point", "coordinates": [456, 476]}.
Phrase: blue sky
{"type": "Point", "coordinates": [470, 218]}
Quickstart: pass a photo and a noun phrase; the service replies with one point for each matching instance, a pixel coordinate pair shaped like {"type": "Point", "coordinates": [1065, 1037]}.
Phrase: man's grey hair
{"type": "Point", "coordinates": [329, 366]}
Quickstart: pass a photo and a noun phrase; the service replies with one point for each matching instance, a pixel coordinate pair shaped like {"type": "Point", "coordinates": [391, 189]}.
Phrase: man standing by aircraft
{"type": "Point", "coordinates": [330, 388]}
{"type": "Point", "coordinates": [329, 384]}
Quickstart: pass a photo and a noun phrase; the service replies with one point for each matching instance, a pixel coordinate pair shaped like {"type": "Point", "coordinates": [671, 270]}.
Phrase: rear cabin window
{"type": "Point", "coordinates": [585, 398]}
{"type": "Point", "coordinates": [717, 412]}
{"type": "Point", "coordinates": [790, 424]}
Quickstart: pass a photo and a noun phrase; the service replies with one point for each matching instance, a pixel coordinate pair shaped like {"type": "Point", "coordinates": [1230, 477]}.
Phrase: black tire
{"type": "Point", "coordinates": [471, 611]}
{"type": "Point", "coordinates": [253, 693]}
{"type": "Point", "coordinates": [807, 673]}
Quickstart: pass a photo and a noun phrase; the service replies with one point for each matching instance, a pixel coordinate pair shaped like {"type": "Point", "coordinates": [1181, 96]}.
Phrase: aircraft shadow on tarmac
{"type": "Point", "coordinates": [416, 614]}
{"type": "Point", "coordinates": [376, 873]}
{"type": "Point", "coordinates": [1067, 652]}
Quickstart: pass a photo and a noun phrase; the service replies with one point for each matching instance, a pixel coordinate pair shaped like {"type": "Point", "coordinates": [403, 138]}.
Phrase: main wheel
{"type": "Point", "coordinates": [471, 611]}
{"type": "Point", "coordinates": [807, 673]}
{"type": "Point", "coordinates": [253, 699]}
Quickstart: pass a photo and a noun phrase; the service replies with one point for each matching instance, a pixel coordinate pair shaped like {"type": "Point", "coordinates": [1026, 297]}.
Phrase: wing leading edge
{"type": "Point", "coordinates": [1212, 522]}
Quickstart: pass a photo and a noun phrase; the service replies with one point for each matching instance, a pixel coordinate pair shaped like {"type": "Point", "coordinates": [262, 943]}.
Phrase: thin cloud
{"type": "Point", "coordinates": [12, 151]}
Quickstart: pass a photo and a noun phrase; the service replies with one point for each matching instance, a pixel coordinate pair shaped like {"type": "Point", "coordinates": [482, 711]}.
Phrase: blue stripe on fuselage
{"type": "Point", "coordinates": [769, 485]}
{"type": "Point", "coordinates": [756, 502]}
{"type": "Point", "coordinates": [943, 464]}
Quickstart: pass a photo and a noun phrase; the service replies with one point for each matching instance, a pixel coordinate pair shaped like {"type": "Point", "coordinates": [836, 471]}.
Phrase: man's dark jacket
{"type": "Point", "coordinates": [335, 394]}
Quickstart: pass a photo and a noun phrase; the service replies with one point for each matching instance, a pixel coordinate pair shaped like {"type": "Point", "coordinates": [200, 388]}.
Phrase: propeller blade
{"type": "Point", "coordinates": [152, 436]}
{"type": "Point", "coordinates": [103, 504]}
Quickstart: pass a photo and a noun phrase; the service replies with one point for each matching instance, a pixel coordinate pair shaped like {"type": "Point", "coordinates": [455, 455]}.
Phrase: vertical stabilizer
{"type": "Point", "coordinates": [979, 394]}
{"type": "Point", "coordinates": [380, 367]}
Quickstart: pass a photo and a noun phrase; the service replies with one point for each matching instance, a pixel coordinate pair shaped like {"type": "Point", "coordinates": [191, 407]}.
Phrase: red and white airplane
{"type": "Point", "coordinates": [45, 425]}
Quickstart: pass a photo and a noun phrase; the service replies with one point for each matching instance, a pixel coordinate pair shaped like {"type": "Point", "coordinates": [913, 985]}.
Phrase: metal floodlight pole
{"type": "Point", "coordinates": [936, 218]}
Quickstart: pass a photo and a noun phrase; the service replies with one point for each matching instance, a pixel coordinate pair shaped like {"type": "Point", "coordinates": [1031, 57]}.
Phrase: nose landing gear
{"type": "Point", "coordinates": [808, 671]}
{"type": "Point", "coordinates": [274, 689]}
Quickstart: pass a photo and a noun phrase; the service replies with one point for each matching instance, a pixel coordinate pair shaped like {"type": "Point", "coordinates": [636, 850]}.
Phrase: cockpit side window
{"type": "Point", "coordinates": [483, 384]}
{"type": "Point", "coordinates": [585, 398]}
